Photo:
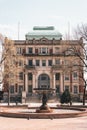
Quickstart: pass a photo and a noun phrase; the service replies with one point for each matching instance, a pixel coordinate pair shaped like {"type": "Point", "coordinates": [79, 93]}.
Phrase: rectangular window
{"type": "Point", "coordinates": [12, 89]}
{"type": "Point", "coordinates": [20, 63]}
{"type": "Point", "coordinates": [57, 50]}
{"type": "Point", "coordinates": [20, 88]}
{"type": "Point", "coordinates": [57, 61]}
{"type": "Point", "coordinates": [66, 62]}
{"type": "Point", "coordinates": [43, 62]}
{"type": "Point", "coordinates": [75, 75]}
{"type": "Point", "coordinates": [36, 50]}
{"type": "Point", "coordinates": [37, 62]}
{"type": "Point", "coordinates": [75, 89]}
{"type": "Point", "coordinates": [23, 51]}
{"type": "Point", "coordinates": [19, 50]}
{"type": "Point", "coordinates": [30, 50]}
{"type": "Point", "coordinates": [21, 75]}
{"type": "Point", "coordinates": [29, 76]}
{"type": "Point", "coordinates": [44, 50]}
{"type": "Point", "coordinates": [49, 62]}
{"type": "Point", "coordinates": [30, 89]}
{"type": "Point", "coordinates": [57, 76]}
{"type": "Point", "coordinates": [30, 63]}
{"type": "Point", "coordinates": [66, 87]}
{"type": "Point", "coordinates": [66, 76]}
{"type": "Point", "coordinates": [51, 51]}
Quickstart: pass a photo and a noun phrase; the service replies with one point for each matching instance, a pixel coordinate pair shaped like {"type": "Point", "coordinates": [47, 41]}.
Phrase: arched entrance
{"type": "Point", "coordinates": [43, 81]}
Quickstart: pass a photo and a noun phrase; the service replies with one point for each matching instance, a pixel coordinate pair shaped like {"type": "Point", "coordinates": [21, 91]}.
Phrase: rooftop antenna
{"type": "Point", "coordinates": [18, 30]}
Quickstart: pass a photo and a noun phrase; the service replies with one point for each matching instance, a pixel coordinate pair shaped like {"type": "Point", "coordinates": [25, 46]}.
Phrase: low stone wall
{"type": "Point", "coordinates": [81, 112]}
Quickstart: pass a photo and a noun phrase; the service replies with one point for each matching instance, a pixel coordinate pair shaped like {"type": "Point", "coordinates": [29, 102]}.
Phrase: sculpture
{"type": "Point", "coordinates": [44, 99]}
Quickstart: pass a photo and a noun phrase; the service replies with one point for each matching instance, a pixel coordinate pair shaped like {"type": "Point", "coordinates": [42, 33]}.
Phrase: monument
{"type": "Point", "coordinates": [44, 108]}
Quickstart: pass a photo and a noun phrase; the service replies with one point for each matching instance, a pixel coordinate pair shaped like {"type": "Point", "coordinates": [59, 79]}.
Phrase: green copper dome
{"type": "Point", "coordinates": [47, 32]}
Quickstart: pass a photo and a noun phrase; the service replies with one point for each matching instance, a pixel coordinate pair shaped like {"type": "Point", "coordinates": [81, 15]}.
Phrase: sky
{"type": "Point", "coordinates": [64, 15]}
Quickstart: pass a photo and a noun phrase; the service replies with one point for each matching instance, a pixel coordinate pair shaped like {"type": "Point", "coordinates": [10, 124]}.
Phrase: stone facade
{"type": "Point", "coordinates": [47, 63]}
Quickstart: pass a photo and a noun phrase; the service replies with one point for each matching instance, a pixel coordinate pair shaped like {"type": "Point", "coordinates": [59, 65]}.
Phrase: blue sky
{"type": "Point", "coordinates": [42, 13]}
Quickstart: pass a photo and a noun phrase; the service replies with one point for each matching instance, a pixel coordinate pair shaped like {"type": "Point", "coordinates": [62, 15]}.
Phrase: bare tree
{"type": "Point", "coordinates": [81, 53]}
{"type": "Point", "coordinates": [72, 66]}
{"type": "Point", "coordinates": [1, 58]}
{"type": "Point", "coordinates": [8, 62]}
{"type": "Point", "coordinates": [81, 31]}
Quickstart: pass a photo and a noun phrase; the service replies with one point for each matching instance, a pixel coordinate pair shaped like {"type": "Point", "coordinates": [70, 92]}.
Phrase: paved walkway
{"type": "Point", "coordinates": [79, 123]}
{"type": "Point", "coordinates": [43, 124]}
{"type": "Point", "coordinates": [38, 104]}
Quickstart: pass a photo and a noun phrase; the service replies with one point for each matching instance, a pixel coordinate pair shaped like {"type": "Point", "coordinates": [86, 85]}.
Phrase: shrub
{"type": "Point", "coordinates": [65, 97]}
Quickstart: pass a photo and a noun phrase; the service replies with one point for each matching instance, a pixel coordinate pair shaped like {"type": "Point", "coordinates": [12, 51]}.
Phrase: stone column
{"type": "Point", "coordinates": [51, 82]}
{"type": "Point", "coordinates": [36, 83]}
{"type": "Point", "coordinates": [34, 86]}
{"type": "Point", "coordinates": [34, 62]}
{"type": "Point", "coordinates": [24, 92]}
{"type": "Point", "coordinates": [40, 62]}
{"type": "Point", "coordinates": [53, 50]}
{"type": "Point", "coordinates": [54, 81]}
{"type": "Point", "coordinates": [23, 96]}
{"type": "Point", "coordinates": [33, 50]}
{"type": "Point", "coordinates": [61, 82]}
{"type": "Point", "coordinates": [53, 61]}
{"type": "Point", "coordinates": [26, 82]}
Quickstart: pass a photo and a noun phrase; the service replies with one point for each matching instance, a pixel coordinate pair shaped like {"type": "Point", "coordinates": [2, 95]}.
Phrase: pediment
{"type": "Point", "coordinates": [44, 39]}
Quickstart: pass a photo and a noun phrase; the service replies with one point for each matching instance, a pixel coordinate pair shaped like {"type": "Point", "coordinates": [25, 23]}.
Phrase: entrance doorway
{"type": "Point", "coordinates": [43, 81]}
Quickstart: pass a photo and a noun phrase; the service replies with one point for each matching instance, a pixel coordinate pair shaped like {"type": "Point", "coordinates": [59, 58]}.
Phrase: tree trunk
{"type": "Point", "coordinates": [8, 97]}
{"type": "Point", "coordinates": [84, 96]}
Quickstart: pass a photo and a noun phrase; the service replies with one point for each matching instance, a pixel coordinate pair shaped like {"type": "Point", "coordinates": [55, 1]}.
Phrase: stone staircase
{"type": "Point", "coordinates": [38, 98]}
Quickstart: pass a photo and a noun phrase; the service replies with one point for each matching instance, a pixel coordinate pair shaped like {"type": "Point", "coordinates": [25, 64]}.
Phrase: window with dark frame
{"type": "Point", "coordinates": [66, 76]}
{"type": "Point", "coordinates": [20, 88]}
{"type": "Point", "coordinates": [37, 62]}
{"type": "Point", "coordinates": [75, 75]}
{"type": "Point", "coordinates": [57, 61]}
{"type": "Point", "coordinates": [75, 89]}
{"type": "Point", "coordinates": [36, 50]}
{"type": "Point", "coordinates": [43, 62]}
{"type": "Point", "coordinates": [49, 62]}
{"type": "Point", "coordinates": [57, 76]}
{"type": "Point", "coordinates": [29, 76]}
{"type": "Point", "coordinates": [66, 87]}
{"type": "Point", "coordinates": [12, 89]}
{"type": "Point", "coordinates": [30, 63]}
{"type": "Point", "coordinates": [44, 50]}
{"type": "Point", "coordinates": [20, 63]}
{"type": "Point", "coordinates": [21, 75]}
{"type": "Point", "coordinates": [30, 50]}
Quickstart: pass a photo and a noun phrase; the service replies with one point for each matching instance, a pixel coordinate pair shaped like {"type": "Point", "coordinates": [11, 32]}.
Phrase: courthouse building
{"type": "Point", "coordinates": [46, 62]}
